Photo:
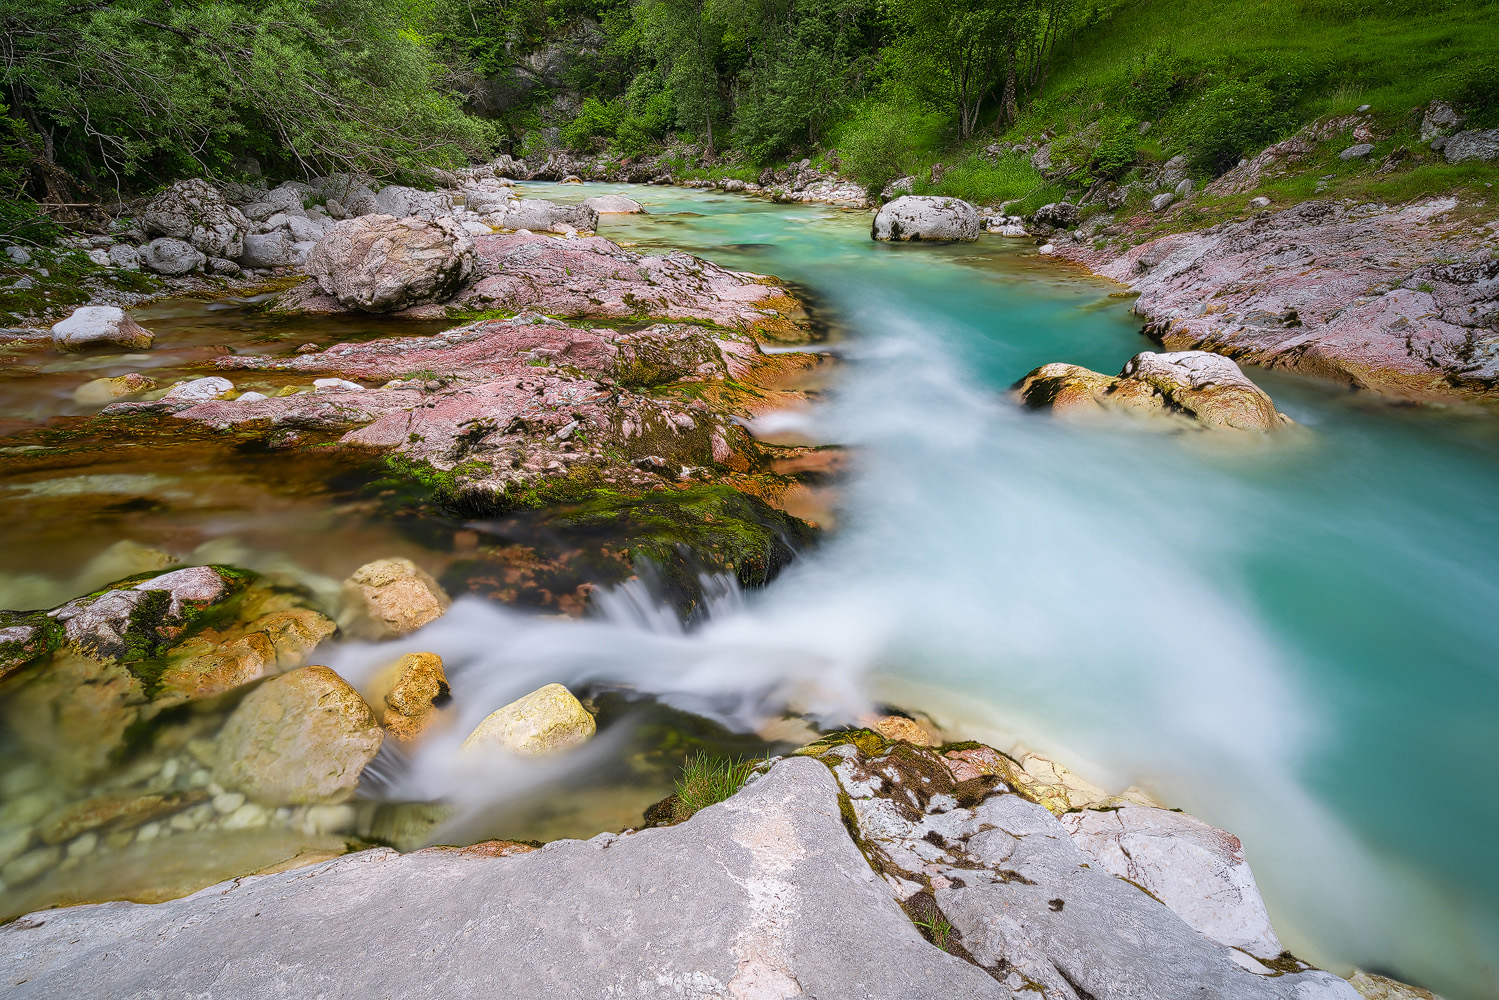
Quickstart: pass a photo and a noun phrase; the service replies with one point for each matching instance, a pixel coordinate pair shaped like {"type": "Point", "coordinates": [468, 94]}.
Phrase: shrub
{"type": "Point", "coordinates": [884, 140]}
{"type": "Point", "coordinates": [1231, 119]}
{"type": "Point", "coordinates": [984, 181]}
{"type": "Point", "coordinates": [1115, 153]}
{"type": "Point", "coordinates": [1477, 94]}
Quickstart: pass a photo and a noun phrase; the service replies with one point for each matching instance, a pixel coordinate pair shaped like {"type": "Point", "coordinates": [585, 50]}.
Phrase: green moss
{"type": "Point", "coordinates": [868, 742]}
{"type": "Point", "coordinates": [72, 280]}
{"type": "Point", "coordinates": [36, 636]}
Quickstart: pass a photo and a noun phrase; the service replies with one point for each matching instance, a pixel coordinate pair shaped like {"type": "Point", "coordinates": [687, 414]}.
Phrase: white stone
{"type": "Point", "coordinates": [1161, 202]}
{"type": "Point", "coordinates": [95, 326]}
{"type": "Point", "coordinates": [926, 217]}
{"type": "Point", "coordinates": [335, 385]}
{"type": "Point", "coordinates": [198, 390]}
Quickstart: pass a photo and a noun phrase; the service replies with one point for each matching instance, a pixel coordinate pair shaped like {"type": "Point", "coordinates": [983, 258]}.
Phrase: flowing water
{"type": "Point", "coordinates": [1293, 640]}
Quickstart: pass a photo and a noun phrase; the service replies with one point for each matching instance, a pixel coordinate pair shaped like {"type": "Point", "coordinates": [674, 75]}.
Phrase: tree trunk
{"type": "Point", "coordinates": [1011, 111]}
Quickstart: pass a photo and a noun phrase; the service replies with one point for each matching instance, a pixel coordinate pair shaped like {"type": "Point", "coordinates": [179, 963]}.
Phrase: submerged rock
{"type": "Point", "coordinates": [106, 390]}
{"type": "Point", "coordinates": [303, 737]}
{"type": "Point", "coordinates": [378, 263]}
{"type": "Point", "coordinates": [614, 204]}
{"type": "Point", "coordinates": [926, 217]}
{"type": "Point", "coordinates": [391, 597]}
{"type": "Point", "coordinates": [1207, 389]}
{"type": "Point", "coordinates": [409, 695]}
{"type": "Point", "coordinates": [218, 661]}
{"type": "Point", "coordinates": [547, 719]}
{"type": "Point", "coordinates": [135, 620]}
{"type": "Point", "coordinates": [101, 326]}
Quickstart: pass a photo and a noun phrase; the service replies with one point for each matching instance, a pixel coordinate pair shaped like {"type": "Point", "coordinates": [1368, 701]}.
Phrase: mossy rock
{"type": "Point", "coordinates": [26, 636]}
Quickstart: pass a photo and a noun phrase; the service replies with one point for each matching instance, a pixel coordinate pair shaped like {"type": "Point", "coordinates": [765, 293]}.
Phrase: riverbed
{"type": "Point", "coordinates": [1293, 640]}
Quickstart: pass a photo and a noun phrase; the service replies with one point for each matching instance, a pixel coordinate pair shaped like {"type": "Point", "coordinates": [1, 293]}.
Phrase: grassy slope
{"type": "Point", "coordinates": [1319, 57]}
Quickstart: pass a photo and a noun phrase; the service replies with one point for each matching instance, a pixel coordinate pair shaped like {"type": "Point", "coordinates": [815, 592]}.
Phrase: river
{"type": "Point", "coordinates": [1293, 640]}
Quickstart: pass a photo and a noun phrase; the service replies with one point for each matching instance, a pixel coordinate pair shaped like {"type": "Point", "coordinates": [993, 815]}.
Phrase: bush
{"type": "Point", "coordinates": [1477, 94]}
{"type": "Point", "coordinates": [984, 181]}
{"type": "Point", "coordinates": [1231, 119]}
{"type": "Point", "coordinates": [884, 141]}
{"type": "Point", "coordinates": [1158, 82]}
{"type": "Point", "coordinates": [1115, 153]}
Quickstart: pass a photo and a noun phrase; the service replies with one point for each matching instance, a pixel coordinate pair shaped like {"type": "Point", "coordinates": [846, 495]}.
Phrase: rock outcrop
{"type": "Point", "coordinates": [303, 737]}
{"type": "Point", "coordinates": [378, 263]}
{"type": "Point", "coordinates": [1205, 389]}
{"type": "Point", "coordinates": [926, 217]}
{"type": "Point", "coordinates": [100, 326]}
{"type": "Point", "coordinates": [757, 880]}
{"type": "Point", "coordinates": [195, 212]}
{"type": "Point", "coordinates": [546, 720]}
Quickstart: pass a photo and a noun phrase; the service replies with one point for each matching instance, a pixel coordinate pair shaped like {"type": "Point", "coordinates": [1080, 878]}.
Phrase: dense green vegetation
{"type": "Point", "coordinates": [120, 95]}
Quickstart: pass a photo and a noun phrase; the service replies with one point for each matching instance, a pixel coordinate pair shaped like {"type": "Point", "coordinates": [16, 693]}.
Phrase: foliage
{"type": "Point", "coordinates": [20, 219]}
{"type": "Point", "coordinates": [885, 140]}
{"type": "Point", "coordinates": [985, 180]}
{"type": "Point", "coordinates": [1231, 119]}
{"type": "Point", "coordinates": [706, 781]}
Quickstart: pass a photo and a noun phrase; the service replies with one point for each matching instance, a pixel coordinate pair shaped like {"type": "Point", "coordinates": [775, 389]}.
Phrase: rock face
{"type": "Point", "coordinates": [378, 263]}
{"type": "Point", "coordinates": [925, 217]}
{"type": "Point", "coordinates": [194, 211]}
{"type": "Point", "coordinates": [737, 902]}
{"type": "Point", "coordinates": [545, 720]}
{"type": "Point", "coordinates": [614, 204]}
{"type": "Point", "coordinates": [410, 694]}
{"type": "Point", "coordinates": [1195, 869]}
{"type": "Point", "coordinates": [1207, 389]}
{"type": "Point", "coordinates": [172, 257]}
{"type": "Point", "coordinates": [273, 249]}
{"type": "Point", "coordinates": [392, 597]}
{"type": "Point", "coordinates": [1401, 301]}
{"type": "Point", "coordinates": [300, 738]}
{"type": "Point", "coordinates": [100, 326]}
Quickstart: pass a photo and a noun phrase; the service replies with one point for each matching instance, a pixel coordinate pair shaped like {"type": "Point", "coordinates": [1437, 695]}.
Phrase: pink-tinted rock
{"type": "Point", "coordinates": [1402, 301]}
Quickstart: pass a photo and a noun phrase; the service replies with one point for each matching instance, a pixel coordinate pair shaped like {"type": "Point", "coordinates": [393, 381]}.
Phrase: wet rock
{"type": "Point", "coordinates": [1475, 146]}
{"type": "Point", "coordinates": [1195, 869]}
{"type": "Point", "coordinates": [198, 390]}
{"type": "Point", "coordinates": [300, 738]}
{"type": "Point", "coordinates": [540, 215]}
{"type": "Point", "coordinates": [25, 636]}
{"type": "Point", "coordinates": [1207, 389]}
{"type": "Point", "coordinates": [195, 211]}
{"type": "Point", "coordinates": [106, 390]}
{"type": "Point", "coordinates": [409, 695]}
{"type": "Point", "coordinates": [898, 727]}
{"type": "Point", "coordinates": [926, 217]}
{"type": "Point", "coordinates": [1374, 987]}
{"type": "Point", "coordinates": [614, 204]}
{"type": "Point", "coordinates": [392, 597]}
{"type": "Point", "coordinates": [30, 866]}
{"type": "Point", "coordinates": [172, 257]}
{"type": "Point", "coordinates": [760, 879]}
{"type": "Point", "coordinates": [1040, 779]}
{"type": "Point", "coordinates": [545, 720]}
{"type": "Point", "coordinates": [123, 558]}
{"type": "Point", "coordinates": [100, 326]}
{"type": "Point", "coordinates": [111, 812]}
{"type": "Point", "coordinates": [136, 620]}
{"type": "Point", "coordinates": [378, 263]}
{"type": "Point", "coordinates": [215, 662]}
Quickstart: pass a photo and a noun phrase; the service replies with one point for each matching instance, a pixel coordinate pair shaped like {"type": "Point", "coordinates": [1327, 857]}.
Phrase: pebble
{"type": "Point", "coordinates": [246, 817]}
{"type": "Point", "coordinates": [227, 802]}
{"type": "Point", "coordinates": [13, 843]}
{"type": "Point", "coordinates": [30, 865]}
{"type": "Point", "coordinates": [148, 831]}
{"type": "Point", "coordinates": [26, 809]}
{"type": "Point", "coordinates": [335, 385]}
{"type": "Point", "coordinates": [19, 780]}
{"type": "Point", "coordinates": [199, 778]}
{"type": "Point", "coordinates": [169, 770]}
{"type": "Point", "coordinates": [329, 819]}
{"type": "Point", "coordinates": [84, 845]}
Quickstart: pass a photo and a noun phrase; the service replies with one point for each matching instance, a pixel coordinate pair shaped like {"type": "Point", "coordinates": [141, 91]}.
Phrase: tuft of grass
{"type": "Point", "coordinates": [708, 780]}
{"type": "Point", "coordinates": [937, 929]}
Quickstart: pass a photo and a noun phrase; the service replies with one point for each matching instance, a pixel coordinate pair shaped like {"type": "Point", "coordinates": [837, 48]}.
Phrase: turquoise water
{"type": "Point", "coordinates": [1294, 640]}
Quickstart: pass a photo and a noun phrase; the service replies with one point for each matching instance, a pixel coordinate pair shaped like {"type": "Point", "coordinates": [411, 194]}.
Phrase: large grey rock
{"type": "Point", "coordinates": [194, 211]}
{"type": "Point", "coordinates": [1195, 869]}
{"type": "Point", "coordinates": [1439, 119]}
{"type": "Point", "coordinates": [352, 192]}
{"type": "Point", "coordinates": [540, 215]}
{"type": "Point", "coordinates": [926, 217]}
{"type": "Point", "coordinates": [1357, 152]}
{"type": "Point", "coordinates": [1024, 901]}
{"type": "Point", "coordinates": [1060, 214]}
{"type": "Point", "coordinates": [762, 896]}
{"type": "Point", "coordinates": [100, 326]}
{"type": "Point", "coordinates": [614, 204]}
{"type": "Point", "coordinates": [377, 263]}
{"type": "Point", "coordinates": [402, 202]}
{"type": "Point", "coordinates": [272, 249]}
{"type": "Point", "coordinates": [125, 256]}
{"type": "Point", "coordinates": [1474, 146]}
{"type": "Point", "coordinates": [133, 621]}
{"type": "Point", "coordinates": [172, 257]}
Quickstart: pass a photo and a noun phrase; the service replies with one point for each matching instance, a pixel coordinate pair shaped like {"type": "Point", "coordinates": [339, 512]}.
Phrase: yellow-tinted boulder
{"type": "Point", "coordinates": [545, 720]}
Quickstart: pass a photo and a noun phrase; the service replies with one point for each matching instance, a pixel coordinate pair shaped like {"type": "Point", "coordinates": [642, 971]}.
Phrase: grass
{"type": "Point", "coordinates": [937, 928]}
{"type": "Point", "coordinates": [987, 180]}
{"type": "Point", "coordinates": [707, 780]}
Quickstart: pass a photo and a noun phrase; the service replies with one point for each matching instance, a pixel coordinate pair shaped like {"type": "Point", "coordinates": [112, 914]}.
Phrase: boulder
{"type": "Point", "coordinates": [1162, 201]}
{"type": "Point", "coordinates": [545, 720]}
{"type": "Point", "coordinates": [198, 390]}
{"type": "Point", "coordinates": [763, 896]}
{"type": "Point", "coordinates": [194, 211]}
{"type": "Point", "coordinates": [1058, 215]}
{"type": "Point", "coordinates": [1439, 119]}
{"type": "Point", "coordinates": [926, 217]}
{"type": "Point", "coordinates": [137, 620]}
{"type": "Point", "coordinates": [272, 249]}
{"type": "Point", "coordinates": [540, 215]}
{"type": "Point", "coordinates": [173, 257]}
{"type": "Point", "coordinates": [100, 326]}
{"type": "Point", "coordinates": [1356, 152]}
{"type": "Point", "coordinates": [409, 694]}
{"type": "Point", "coordinates": [301, 738]}
{"type": "Point", "coordinates": [403, 202]}
{"type": "Point", "coordinates": [1474, 146]}
{"type": "Point", "coordinates": [107, 390]}
{"type": "Point", "coordinates": [1195, 869]}
{"type": "Point", "coordinates": [614, 204]}
{"type": "Point", "coordinates": [125, 256]}
{"type": "Point", "coordinates": [377, 263]}
{"type": "Point", "coordinates": [392, 597]}
{"type": "Point", "coordinates": [353, 193]}
{"type": "Point", "coordinates": [1205, 388]}
{"type": "Point", "coordinates": [289, 197]}
{"type": "Point", "coordinates": [214, 662]}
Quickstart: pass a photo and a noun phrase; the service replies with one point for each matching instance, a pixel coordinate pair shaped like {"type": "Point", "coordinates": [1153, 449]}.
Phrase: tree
{"type": "Point", "coordinates": [684, 38]}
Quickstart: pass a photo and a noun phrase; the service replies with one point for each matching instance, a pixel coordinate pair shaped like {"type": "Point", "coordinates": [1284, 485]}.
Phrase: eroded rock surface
{"type": "Point", "coordinates": [380, 263]}
{"type": "Point", "coordinates": [1199, 387]}
{"type": "Point", "coordinates": [1401, 301]}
